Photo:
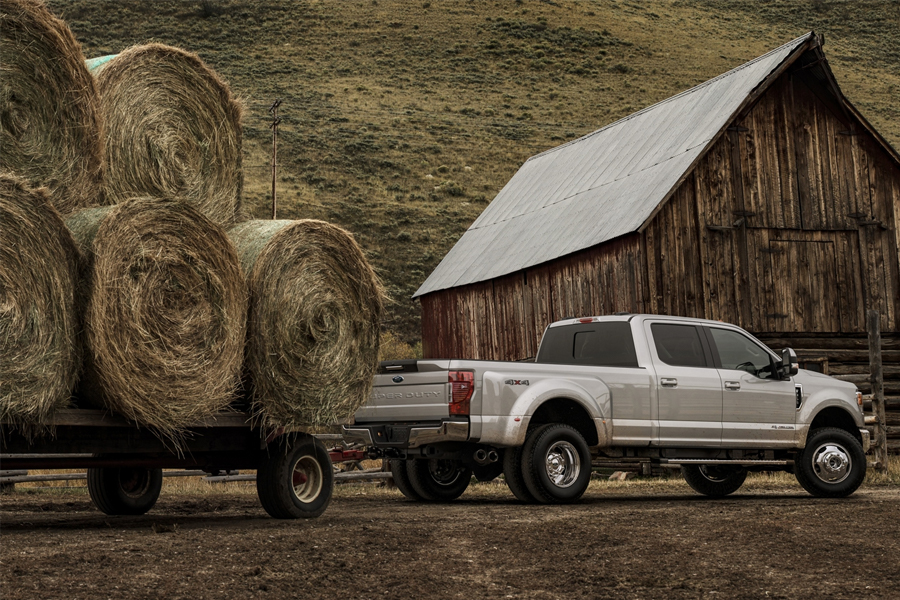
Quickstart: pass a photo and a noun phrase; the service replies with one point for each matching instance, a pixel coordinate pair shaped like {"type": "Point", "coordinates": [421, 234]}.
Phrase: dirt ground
{"type": "Point", "coordinates": [624, 541]}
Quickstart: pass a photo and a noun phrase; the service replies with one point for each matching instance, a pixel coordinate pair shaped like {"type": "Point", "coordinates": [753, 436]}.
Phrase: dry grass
{"type": "Point", "coordinates": [50, 126]}
{"type": "Point", "coordinates": [165, 313]}
{"type": "Point", "coordinates": [40, 354]}
{"type": "Point", "coordinates": [403, 119]}
{"type": "Point", "coordinates": [173, 130]}
{"type": "Point", "coordinates": [314, 321]}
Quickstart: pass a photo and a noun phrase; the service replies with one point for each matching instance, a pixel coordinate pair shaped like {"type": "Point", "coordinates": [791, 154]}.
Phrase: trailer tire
{"type": "Point", "coordinates": [400, 473]}
{"type": "Point", "coordinates": [556, 464]}
{"type": "Point", "coordinates": [512, 473]}
{"type": "Point", "coordinates": [438, 479]}
{"type": "Point", "coordinates": [296, 478]}
{"type": "Point", "coordinates": [713, 481]}
{"type": "Point", "coordinates": [832, 465]}
{"type": "Point", "coordinates": [124, 490]}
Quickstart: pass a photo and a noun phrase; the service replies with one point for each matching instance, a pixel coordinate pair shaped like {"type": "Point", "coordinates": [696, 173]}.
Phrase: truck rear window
{"type": "Point", "coordinates": [597, 344]}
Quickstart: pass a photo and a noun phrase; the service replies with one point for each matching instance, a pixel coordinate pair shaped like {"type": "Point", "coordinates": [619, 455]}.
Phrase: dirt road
{"type": "Point", "coordinates": [619, 542]}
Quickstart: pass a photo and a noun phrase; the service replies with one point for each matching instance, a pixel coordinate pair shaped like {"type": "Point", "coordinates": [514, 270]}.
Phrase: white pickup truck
{"type": "Point", "coordinates": [637, 390]}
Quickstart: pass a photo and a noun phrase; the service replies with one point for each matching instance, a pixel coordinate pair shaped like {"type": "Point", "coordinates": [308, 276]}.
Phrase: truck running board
{"type": "Point", "coordinates": [743, 463]}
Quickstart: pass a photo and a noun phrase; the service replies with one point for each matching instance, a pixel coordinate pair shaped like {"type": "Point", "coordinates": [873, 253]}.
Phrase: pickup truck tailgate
{"type": "Point", "coordinates": [408, 391]}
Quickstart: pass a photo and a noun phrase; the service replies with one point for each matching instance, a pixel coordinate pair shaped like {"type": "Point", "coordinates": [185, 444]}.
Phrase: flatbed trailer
{"type": "Point", "coordinates": [124, 462]}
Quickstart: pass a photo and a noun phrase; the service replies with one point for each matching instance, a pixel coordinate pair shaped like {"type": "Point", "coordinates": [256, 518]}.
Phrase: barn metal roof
{"type": "Point", "coordinates": [603, 185]}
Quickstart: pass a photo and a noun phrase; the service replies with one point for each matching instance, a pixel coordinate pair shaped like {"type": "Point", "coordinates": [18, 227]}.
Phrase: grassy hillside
{"type": "Point", "coordinates": [402, 120]}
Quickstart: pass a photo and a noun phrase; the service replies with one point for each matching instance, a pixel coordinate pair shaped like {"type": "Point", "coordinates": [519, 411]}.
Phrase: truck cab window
{"type": "Point", "coordinates": [740, 353]}
{"type": "Point", "coordinates": [678, 345]}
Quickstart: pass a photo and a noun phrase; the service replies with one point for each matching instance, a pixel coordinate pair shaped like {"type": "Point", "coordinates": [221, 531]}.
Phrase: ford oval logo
{"type": "Point", "coordinates": [397, 379]}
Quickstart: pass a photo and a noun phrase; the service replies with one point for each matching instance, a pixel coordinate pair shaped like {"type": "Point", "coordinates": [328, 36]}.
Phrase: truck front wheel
{"type": "Point", "coordinates": [832, 465]}
{"type": "Point", "coordinates": [437, 479]}
{"type": "Point", "coordinates": [714, 481]}
{"type": "Point", "coordinates": [556, 464]}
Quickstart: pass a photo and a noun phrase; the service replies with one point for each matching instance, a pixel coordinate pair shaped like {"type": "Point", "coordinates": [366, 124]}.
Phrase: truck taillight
{"type": "Point", "coordinates": [462, 385]}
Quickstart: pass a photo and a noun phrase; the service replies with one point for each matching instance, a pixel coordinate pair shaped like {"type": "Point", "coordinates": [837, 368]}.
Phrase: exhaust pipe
{"type": "Point", "coordinates": [485, 457]}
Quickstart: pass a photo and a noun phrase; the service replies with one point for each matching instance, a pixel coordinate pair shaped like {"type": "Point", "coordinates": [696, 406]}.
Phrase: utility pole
{"type": "Point", "coordinates": [273, 110]}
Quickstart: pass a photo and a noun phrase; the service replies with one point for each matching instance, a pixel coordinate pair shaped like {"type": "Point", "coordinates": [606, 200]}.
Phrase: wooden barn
{"type": "Point", "coordinates": [761, 197]}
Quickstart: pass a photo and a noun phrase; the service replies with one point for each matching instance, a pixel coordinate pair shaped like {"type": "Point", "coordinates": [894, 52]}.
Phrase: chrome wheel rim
{"type": "Point", "coordinates": [563, 464]}
{"type": "Point", "coordinates": [307, 479]}
{"type": "Point", "coordinates": [713, 474]}
{"type": "Point", "coordinates": [831, 463]}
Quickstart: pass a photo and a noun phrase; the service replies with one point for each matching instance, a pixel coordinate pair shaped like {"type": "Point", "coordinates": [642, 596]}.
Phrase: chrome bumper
{"type": "Point", "coordinates": [866, 439]}
{"type": "Point", "coordinates": [448, 431]}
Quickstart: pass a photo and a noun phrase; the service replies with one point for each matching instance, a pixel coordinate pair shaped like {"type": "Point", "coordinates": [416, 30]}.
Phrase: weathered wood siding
{"type": "Point", "coordinates": [516, 309]}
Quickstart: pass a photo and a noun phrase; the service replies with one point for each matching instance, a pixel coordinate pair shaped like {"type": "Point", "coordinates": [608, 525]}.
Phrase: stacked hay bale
{"type": "Point", "coordinates": [39, 349]}
{"type": "Point", "coordinates": [164, 303]}
{"type": "Point", "coordinates": [314, 324]}
{"type": "Point", "coordinates": [173, 130]}
{"type": "Point", "coordinates": [50, 124]}
{"type": "Point", "coordinates": [165, 310]}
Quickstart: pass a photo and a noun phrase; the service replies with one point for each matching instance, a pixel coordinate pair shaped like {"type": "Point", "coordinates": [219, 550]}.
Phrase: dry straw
{"type": "Point", "coordinates": [165, 313]}
{"type": "Point", "coordinates": [173, 130]}
{"type": "Point", "coordinates": [50, 127]}
{"type": "Point", "coordinates": [39, 350]}
{"type": "Point", "coordinates": [313, 331]}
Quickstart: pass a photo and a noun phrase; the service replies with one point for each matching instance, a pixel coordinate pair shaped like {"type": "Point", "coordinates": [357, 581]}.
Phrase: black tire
{"type": "Point", "coordinates": [401, 479]}
{"type": "Point", "coordinates": [512, 473]}
{"type": "Point", "coordinates": [296, 478]}
{"type": "Point", "coordinates": [832, 465]}
{"type": "Point", "coordinates": [438, 480]}
{"type": "Point", "coordinates": [556, 464]}
{"type": "Point", "coordinates": [714, 481]}
{"type": "Point", "coordinates": [124, 490]}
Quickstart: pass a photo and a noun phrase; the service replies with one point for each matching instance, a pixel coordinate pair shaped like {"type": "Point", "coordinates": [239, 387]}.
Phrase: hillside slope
{"type": "Point", "coordinates": [402, 120]}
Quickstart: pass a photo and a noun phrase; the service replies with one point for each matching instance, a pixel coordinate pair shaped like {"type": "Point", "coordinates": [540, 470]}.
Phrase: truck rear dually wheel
{"type": "Point", "coordinates": [714, 481]}
{"type": "Point", "coordinates": [832, 465]}
{"type": "Point", "coordinates": [512, 473]}
{"type": "Point", "coordinates": [400, 473]}
{"type": "Point", "coordinates": [556, 464]}
{"type": "Point", "coordinates": [438, 479]}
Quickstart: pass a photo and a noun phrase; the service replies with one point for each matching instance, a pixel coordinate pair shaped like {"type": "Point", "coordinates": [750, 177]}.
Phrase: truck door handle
{"type": "Point", "coordinates": [668, 382]}
{"type": "Point", "coordinates": [732, 385]}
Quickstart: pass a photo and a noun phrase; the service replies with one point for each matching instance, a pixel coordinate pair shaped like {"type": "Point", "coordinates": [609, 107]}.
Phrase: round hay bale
{"type": "Point", "coordinates": [39, 350]}
{"type": "Point", "coordinates": [50, 127]}
{"type": "Point", "coordinates": [165, 313]}
{"type": "Point", "coordinates": [313, 331]}
{"type": "Point", "coordinates": [173, 130]}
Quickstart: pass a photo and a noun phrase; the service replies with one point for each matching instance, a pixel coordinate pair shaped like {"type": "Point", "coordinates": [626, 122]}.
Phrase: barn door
{"type": "Point", "coordinates": [802, 294]}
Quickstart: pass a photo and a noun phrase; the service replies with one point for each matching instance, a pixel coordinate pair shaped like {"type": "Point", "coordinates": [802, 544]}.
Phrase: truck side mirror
{"type": "Point", "coordinates": [789, 364]}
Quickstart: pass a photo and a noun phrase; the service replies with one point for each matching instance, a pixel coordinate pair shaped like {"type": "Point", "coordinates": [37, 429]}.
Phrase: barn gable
{"type": "Point", "coordinates": [605, 184]}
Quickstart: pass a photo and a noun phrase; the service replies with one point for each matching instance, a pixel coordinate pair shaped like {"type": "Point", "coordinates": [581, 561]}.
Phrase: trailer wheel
{"type": "Point", "coordinates": [124, 490]}
{"type": "Point", "coordinates": [713, 481]}
{"type": "Point", "coordinates": [832, 465]}
{"type": "Point", "coordinates": [512, 473]}
{"type": "Point", "coordinates": [401, 478]}
{"type": "Point", "coordinates": [295, 479]}
{"type": "Point", "coordinates": [438, 479]}
{"type": "Point", "coordinates": [556, 464]}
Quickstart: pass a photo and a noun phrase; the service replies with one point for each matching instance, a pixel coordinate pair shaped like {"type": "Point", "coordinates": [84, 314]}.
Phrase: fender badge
{"type": "Point", "coordinates": [516, 382]}
{"type": "Point", "coordinates": [397, 379]}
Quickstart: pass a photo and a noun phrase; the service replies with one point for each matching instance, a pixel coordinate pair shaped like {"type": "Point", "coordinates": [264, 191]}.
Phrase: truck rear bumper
{"type": "Point", "coordinates": [380, 435]}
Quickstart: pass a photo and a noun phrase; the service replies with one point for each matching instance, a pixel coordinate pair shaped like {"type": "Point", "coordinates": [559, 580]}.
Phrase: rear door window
{"type": "Point", "coordinates": [598, 344]}
{"type": "Point", "coordinates": [678, 345]}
